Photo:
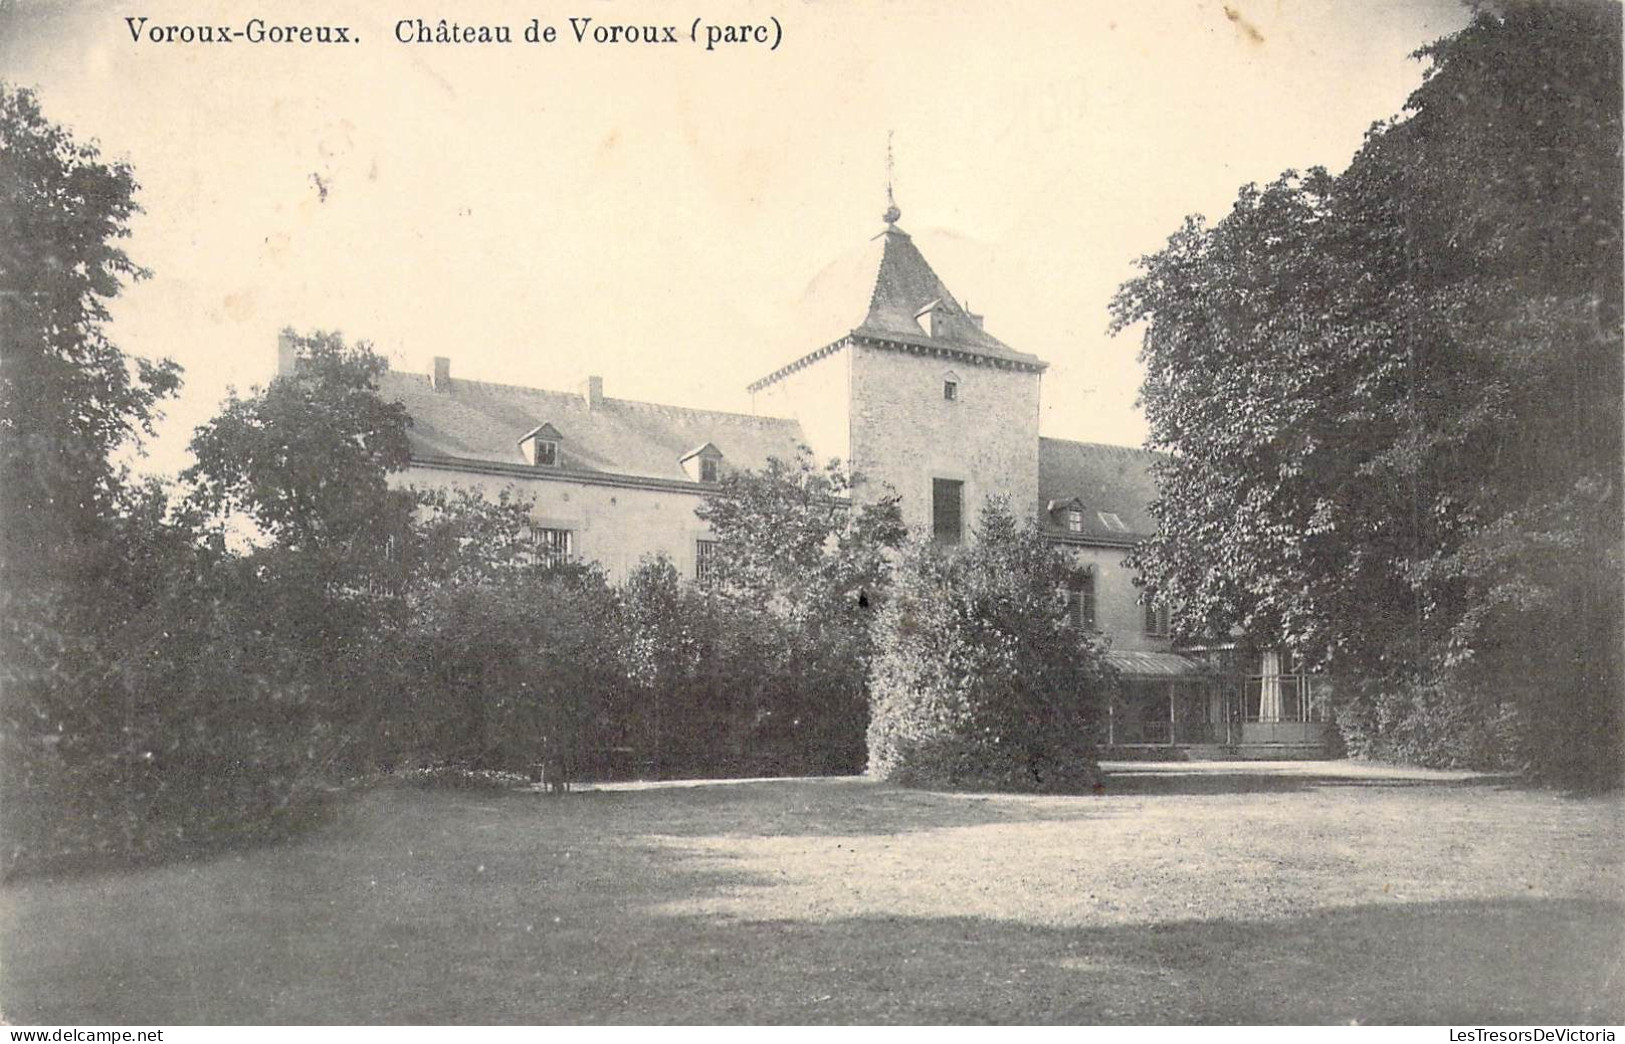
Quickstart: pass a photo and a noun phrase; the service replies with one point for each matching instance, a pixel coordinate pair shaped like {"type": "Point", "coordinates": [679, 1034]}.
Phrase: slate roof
{"type": "Point", "coordinates": [878, 293]}
{"type": "Point", "coordinates": [1106, 479]}
{"type": "Point", "coordinates": [904, 284]}
{"type": "Point", "coordinates": [483, 422]}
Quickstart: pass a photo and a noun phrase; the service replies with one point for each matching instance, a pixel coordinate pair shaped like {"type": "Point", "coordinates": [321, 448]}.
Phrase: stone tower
{"type": "Point", "coordinates": [917, 396]}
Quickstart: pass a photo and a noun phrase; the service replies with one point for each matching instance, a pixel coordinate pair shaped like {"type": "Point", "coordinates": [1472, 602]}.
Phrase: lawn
{"type": "Point", "coordinates": [1309, 893]}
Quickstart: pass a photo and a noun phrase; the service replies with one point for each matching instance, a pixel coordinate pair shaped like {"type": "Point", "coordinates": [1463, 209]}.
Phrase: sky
{"type": "Point", "coordinates": [654, 215]}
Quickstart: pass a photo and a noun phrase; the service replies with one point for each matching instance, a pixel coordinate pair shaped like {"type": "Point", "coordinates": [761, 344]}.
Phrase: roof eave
{"type": "Point", "coordinates": [1087, 540]}
{"type": "Point", "coordinates": [893, 342]}
{"type": "Point", "coordinates": [474, 466]}
{"type": "Point", "coordinates": [931, 346]}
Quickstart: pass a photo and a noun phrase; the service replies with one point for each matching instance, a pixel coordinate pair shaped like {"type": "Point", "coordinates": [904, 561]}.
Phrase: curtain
{"type": "Point", "coordinates": [1269, 701]}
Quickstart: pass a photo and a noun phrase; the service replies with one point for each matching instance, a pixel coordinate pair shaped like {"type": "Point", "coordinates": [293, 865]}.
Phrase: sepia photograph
{"type": "Point", "coordinates": [790, 513]}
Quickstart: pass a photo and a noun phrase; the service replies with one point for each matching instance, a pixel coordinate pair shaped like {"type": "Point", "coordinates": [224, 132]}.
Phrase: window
{"type": "Point", "coordinates": [1281, 692]}
{"type": "Point", "coordinates": [1080, 602]}
{"type": "Point", "coordinates": [1156, 619]}
{"type": "Point", "coordinates": [554, 547]}
{"type": "Point", "coordinates": [947, 510]}
{"type": "Point", "coordinates": [707, 560]}
{"type": "Point", "coordinates": [702, 463]}
{"type": "Point", "coordinates": [1110, 520]}
{"type": "Point", "coordinates": [950, 390]}
{"type": "Point", "coordinates": [540, 445]}
{"type": "Point", "coordinates": [1074, 520]}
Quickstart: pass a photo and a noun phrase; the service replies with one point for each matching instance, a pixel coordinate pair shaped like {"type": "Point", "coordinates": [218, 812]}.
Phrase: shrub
{"type": "Point", "coordinates": [979, 681]}
{"type": "Point", "coordinates": [506, 674]}
{"type": "Point", "coordinates": [1438, 724]}
{"type": "Point", "coordinates": [804, 569]}
{"type": "Point", "coordinates": [189, 722]}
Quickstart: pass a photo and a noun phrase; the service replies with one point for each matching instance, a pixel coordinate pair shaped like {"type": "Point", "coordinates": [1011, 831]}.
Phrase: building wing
{"type": "Point", "coordinates": [1113, 486]}
{"type": "Point", "coordinates": [482, 424]}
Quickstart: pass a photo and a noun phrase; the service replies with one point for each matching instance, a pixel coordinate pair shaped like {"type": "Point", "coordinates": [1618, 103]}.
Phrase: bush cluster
{"type": "Point", "coordinates": [223, 706]}
{"type": "Point", "coordinates": [979, 681]}
{"type": "Point", "coordinates": [1440, 725]}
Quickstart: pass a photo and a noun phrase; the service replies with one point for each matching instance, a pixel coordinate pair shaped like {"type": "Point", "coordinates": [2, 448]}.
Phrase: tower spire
{"type": "Point", "coordinates": [892, 213]}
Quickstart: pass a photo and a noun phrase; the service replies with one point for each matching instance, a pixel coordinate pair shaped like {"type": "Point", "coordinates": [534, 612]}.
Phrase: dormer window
{"type": "Point", "coordinates": [932, 318]}
{"type": "Point", "coordinates": [541, 446]}
{"type": "Point", "coordinates": [1068, 514]}
{"type": "Point", "coordinates": [703, 464]}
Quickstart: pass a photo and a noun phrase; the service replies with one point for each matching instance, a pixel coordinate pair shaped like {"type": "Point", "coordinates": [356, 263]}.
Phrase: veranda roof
{"type": "Point", "coordinates": [1154, 665]}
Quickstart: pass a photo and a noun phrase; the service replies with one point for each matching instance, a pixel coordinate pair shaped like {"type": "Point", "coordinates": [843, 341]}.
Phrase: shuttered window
{"type": "Point", "coordinates": [1080, 602]}
{"type": "Point", "coordinates": [1156, 619]}
{"type": "Point", "coordinates": [947, 511]}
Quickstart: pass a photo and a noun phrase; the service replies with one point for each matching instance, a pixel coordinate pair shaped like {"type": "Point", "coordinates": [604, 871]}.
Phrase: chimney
{"type": "Point", "coordinates": [440, 380]}
{"type": "Point", "coordinates": [592, 392]}
{"type": "Point", "coordinates": [287, 355]}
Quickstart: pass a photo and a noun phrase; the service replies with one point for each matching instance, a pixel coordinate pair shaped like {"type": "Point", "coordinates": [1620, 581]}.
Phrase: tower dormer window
{"type": "Point", "coordinates": [541, 446]}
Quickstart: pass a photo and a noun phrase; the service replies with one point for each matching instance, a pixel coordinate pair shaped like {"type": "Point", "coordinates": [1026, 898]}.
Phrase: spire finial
{"type": "Point", "coordinates": [892, 213]}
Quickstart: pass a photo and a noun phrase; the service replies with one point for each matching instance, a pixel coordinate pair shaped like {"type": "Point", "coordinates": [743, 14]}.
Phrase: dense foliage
{"type": "Point", "coordinates": [508, 674]}
{"type": "Point", "coordinates": [71, 583]}
{"type": "Point", "coordinates": [804, 568]}
{"type": "Point", "coordinates": [69, 397]}
{"type": "Point", "coordinates": [980, 680]}
{"type": "Point", "coordinates": [705, 682]}
{"type": "Point", "coordinates": [1391, 404]}
{"type": "Point", "coordinates": [306, 460]}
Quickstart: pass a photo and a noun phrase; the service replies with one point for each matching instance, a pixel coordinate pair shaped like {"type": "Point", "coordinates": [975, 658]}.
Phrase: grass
{"type": "Point", "coordinates": [1187, 894]}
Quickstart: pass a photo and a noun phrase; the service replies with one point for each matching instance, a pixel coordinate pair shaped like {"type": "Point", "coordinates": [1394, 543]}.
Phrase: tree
{"type": "Point", "coordinates": [69, 399]}
{"type": "Point", "coordinates": [792, 538]}
{"type": "Point", "coordinates": [811, 567]}
{"type": "Point", "coordinates": [980, 680]}
{"type": "Point", "coordinates": [304, 466]}
{"type": "Point", "coordinates": [1390, 403]}
{"type": "Point", "coordinates": [460, 537]}
{"type": "Point", "coordinates": [666, 656]}
{"type": "Point", "coordinates": [307, 459]}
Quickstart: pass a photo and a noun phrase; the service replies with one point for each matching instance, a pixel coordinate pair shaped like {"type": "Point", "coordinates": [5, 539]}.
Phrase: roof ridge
{"type": "Point", "coordinates": [1101, 445]}
{"type": "Point", "coordinates": [635, 403]}
{"type": "Point", "coordinates": [884, 234]}
{"type": "Point", "coordinates": [727, 414]}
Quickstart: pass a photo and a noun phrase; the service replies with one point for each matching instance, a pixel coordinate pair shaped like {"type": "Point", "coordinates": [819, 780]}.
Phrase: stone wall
{"type": "Point", "coordinates": [612, 525]}
{"type": "Point", "coordinates": [1118, 612]}
{"type": "Point", "coordinates": [904, 433]}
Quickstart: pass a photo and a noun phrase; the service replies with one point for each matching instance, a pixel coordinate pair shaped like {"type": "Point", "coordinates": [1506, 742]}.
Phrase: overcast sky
{"type": "Point", "coordinates": [653, 214]}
